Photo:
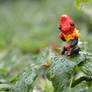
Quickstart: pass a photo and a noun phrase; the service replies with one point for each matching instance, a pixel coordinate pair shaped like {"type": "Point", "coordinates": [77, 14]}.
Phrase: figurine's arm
{"type": "Point", "coordinates": [62, 37]}
{"type": "Point", "coordinates": [72, 44]}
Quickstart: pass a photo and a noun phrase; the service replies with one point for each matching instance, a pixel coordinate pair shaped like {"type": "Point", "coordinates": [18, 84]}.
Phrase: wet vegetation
{"type": "Point", "coordinates": [29, 61]}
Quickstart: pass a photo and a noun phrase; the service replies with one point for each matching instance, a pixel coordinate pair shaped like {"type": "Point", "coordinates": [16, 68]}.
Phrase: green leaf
{"type": "Point", "coordinates": [87, 67]}
{"type": "Point", "coordinates": [58, 50]}
{"type": "Point", "coordinates": [4, 87]}
{"type": "Point", "coordinates": [3, 70]}
{"type": "Point", "coordinates": [82, 87]}
{"type": "Point", "coordinates": [62, 68]}
{"type": "Point", "coordinates": [83, 81]}
{"type": "Point", "coordinates": [75, 90]}
{"type": "Point", "coordinates": [26, 79]}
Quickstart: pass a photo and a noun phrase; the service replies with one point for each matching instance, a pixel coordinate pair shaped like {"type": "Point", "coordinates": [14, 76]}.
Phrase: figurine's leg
{"type": "Point", "coordinates": [63, 50]}
{"type": "Point", "coordinates": [69, 46]}
{"type": "Point", "coordinates": [72, 44]}
{"type": "Point", "coordinates": [75, 50]}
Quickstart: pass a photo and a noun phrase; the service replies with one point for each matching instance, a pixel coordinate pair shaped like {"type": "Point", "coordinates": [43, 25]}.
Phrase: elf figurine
{"type": "Point", "coordinates": [70, 34]}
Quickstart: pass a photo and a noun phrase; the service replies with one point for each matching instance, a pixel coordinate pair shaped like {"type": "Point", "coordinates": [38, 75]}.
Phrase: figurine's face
{"type": "Point", "coordinates": [66, 24]}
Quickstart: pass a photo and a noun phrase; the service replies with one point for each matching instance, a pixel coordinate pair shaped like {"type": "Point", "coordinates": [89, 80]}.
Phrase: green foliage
{"type": "Point", "coordinates": [26, 80]}
{"type": "Point", "coordinates": [62, 73]}
{"type": "Point", "coordinates": [87, 67]}
{"type": "Point", "coordinates": [62, 69]}
{"type": "Point", "coordinates": [28, 26]}
{"type": "Point", "coordinates": [76, 90]}
{"type": "Point", "coordinates": [4, 87]}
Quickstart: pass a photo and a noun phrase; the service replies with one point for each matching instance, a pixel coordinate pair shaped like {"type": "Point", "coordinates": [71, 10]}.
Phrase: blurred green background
{"type": "Point", "coordinates": [27, 26]}
{"type": "Point", "coordinates": [32, 24]}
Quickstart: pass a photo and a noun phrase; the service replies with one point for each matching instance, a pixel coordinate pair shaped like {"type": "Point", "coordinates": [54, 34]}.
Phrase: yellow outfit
{"type": "Point", "coordinates": [72, 36]}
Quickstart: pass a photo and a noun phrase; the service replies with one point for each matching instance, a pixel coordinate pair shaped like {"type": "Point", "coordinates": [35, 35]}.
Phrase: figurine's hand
{"type": "Point", "coordinates": [68, 47]}
{"type": "Point", "coordinates": [62, 37]}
